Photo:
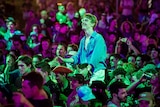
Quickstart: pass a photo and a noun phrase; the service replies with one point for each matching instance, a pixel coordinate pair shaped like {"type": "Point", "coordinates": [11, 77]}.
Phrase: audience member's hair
{"type": "Point", "coordinates": [119, 71]}
{"type": "Point", "coordinates": [34, 78]}
{"type": "Point", "coordinates": [114, 87]}
{"type": "Point", "coordinates": [25, 58]}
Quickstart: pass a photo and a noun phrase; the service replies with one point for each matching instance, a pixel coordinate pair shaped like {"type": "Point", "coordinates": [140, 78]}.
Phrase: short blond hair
{"type": "Point", "coordinates": [92, 17]}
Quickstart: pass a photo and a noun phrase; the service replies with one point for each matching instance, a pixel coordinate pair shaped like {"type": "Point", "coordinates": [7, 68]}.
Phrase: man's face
{"type": "Point", "coordinates": [144, 103]}
{"type": "Point", "coordinates": [9, 60]}
{"type": "Point", "coordinates": [122, 94]}
{"type": "Point", "coordinates": [113, 61]}
{"type": "Point", "coordinates": [54, 48]}
{"type": "Point", "coordinates": [45, 45]}
{"type": "Point", "coordinates": [86, 23]}
{"type": "Point", "coordinates": [17, 45]}
{"type": "Point", "coordinates": [23, 67]}
{"type": "Point", "coordinates": [131, 59]}
{"type": "Point", "coordinates": [61, 51]}
{"type": "Point", "coordinates": [35, 60]}
{"type": "Point", "coordinates": [10, 25]}
{"type": "Point", "coordinates": [26, 89]}
{"type": "Point", "coordinates": [154, 54]}
{"type": "Point", "coordinates": [139, 61]}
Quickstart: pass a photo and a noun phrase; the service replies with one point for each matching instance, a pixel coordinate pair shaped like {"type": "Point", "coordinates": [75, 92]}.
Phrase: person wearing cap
{"type": "Point", "coordinates": [92, 49]}
{"type": "Point", "coordinates": [146, 99]}
{"type": "Point", "coordinates": [63, 82]}
{"type": "Point", "coordinates": [85, 94]}
{"type": "Point", "coordinates": [76, 81]}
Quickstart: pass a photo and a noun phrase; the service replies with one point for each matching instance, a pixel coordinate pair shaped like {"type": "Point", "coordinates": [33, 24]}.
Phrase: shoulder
{"type": "Point", "coordinates": [110, 104]}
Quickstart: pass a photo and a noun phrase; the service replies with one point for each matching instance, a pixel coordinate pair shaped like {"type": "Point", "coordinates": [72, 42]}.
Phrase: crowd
{"type": "Point", "coordinates": [81, 54]}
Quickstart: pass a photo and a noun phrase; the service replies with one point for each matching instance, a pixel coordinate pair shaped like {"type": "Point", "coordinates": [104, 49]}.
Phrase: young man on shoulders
{"type": "Point", "coordinates": [92, 49]}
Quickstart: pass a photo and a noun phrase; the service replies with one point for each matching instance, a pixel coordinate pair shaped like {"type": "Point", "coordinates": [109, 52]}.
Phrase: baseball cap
{"type": "Point", "coordinates": [147, 96]}
{"type": "Point", "coordinates": [85, 93]}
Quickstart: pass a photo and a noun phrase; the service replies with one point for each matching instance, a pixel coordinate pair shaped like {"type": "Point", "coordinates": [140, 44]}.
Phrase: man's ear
{"type": "Point", "coordinates": [29, 65]}
{"type": "Point", "coordinates": [93, 24]}
{"type": "Point", "coordinates": [114, 95]}
{"type": "Point", "coordinates": [35, 88]}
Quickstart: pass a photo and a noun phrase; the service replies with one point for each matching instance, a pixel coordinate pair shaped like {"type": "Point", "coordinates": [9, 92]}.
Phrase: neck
{"type": "Point", "coordinates": [89, 32]}
{"type": "Point", "coordinates": [41, 94]}
{"type": "Point", "coordinates": [155, 61]}
{"type": "Point", "coordinates": [116, 102]}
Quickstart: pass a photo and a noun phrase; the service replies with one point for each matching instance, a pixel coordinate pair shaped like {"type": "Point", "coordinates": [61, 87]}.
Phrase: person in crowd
{"type": "Point", "coordinates": [10, 68]}
{"type": "Point", "coordinates": [155, 57]}
{"type": "Point", "coordinates": [142, 10]}
{"type": "Point", "coordinates": [86, 96]}
{"type": "Point", "coordinates": [126, 7]}
{"type": "Point", "coordinates": [90, 44]}
{"type": "Point", "coordinates": [45, 24]}
{"type": "Point", "coordinates": [128, 45]}
{"type": "Point", "coordinates": [72, 49]}
{"type": "Point", "coordinates": [102, 24]}
{"type": "Point", "coordinates": [70, 10]}
{"type": "Point", "coordinates": [74, 38]}
{"type": "Point", "coordinates": [35, 36]}
{"type": "Point", "coordinates": [30, 21]}
{"type": "Point", "coordinates": [155, 87]}
{"type": "Point", "coordinates": [18, 45]}
{"type": "Point", "coordinates": [111, 41]}
{"type": "Point", "coordinates": [32, 94]}
{"type": "Point", "coordinates": [146, 99]}
{"type": "Point", "coordinates": [131, 58]}
{"type": "Point", "coordinates": [24, 63]}
{"type": "Point", "coordinates": [119, 94]}
{"type": "Point", "coordinates": [3, 46]}
{"type": "Point", "coordinates": [127, 29]}
{"type": "Point", "coordinates": [64, 85]}
{"type": "Point", "coordinates": [76, 26]}
{"type": "Point", "coordinates": [55, 31]}
{"type": "Point", "coordinates": [36, 59]}
{"type": "Point", "coordinates": [63, 34]}
{"type": "Point", "coordinates": [113, 60]}
{"type": "Point", "coordinates": [11, 31]}
{"type": "Point", "coordinates": [61, 50]}
{"type": "Point", "coordinates": [60, 15]}
{"type": "Point", "coordinates": [9, 73]}
{"type": "Point", "coordinates": [76, 81]}
{"type": "Point", "coordinates": [44, 69]}
{"type": "Point", "coordinates": [139, 61]}
{"type": "Point", "coordinates": [53, 50]}
{"type": "Point", "coordinates": [44, 48]}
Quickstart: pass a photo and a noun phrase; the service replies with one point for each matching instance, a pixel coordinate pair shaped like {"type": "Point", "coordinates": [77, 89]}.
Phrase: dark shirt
{"type": "Point", "coordinates": [41, 103]}
{"type": "Point", "coordinates": [54, 90]}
